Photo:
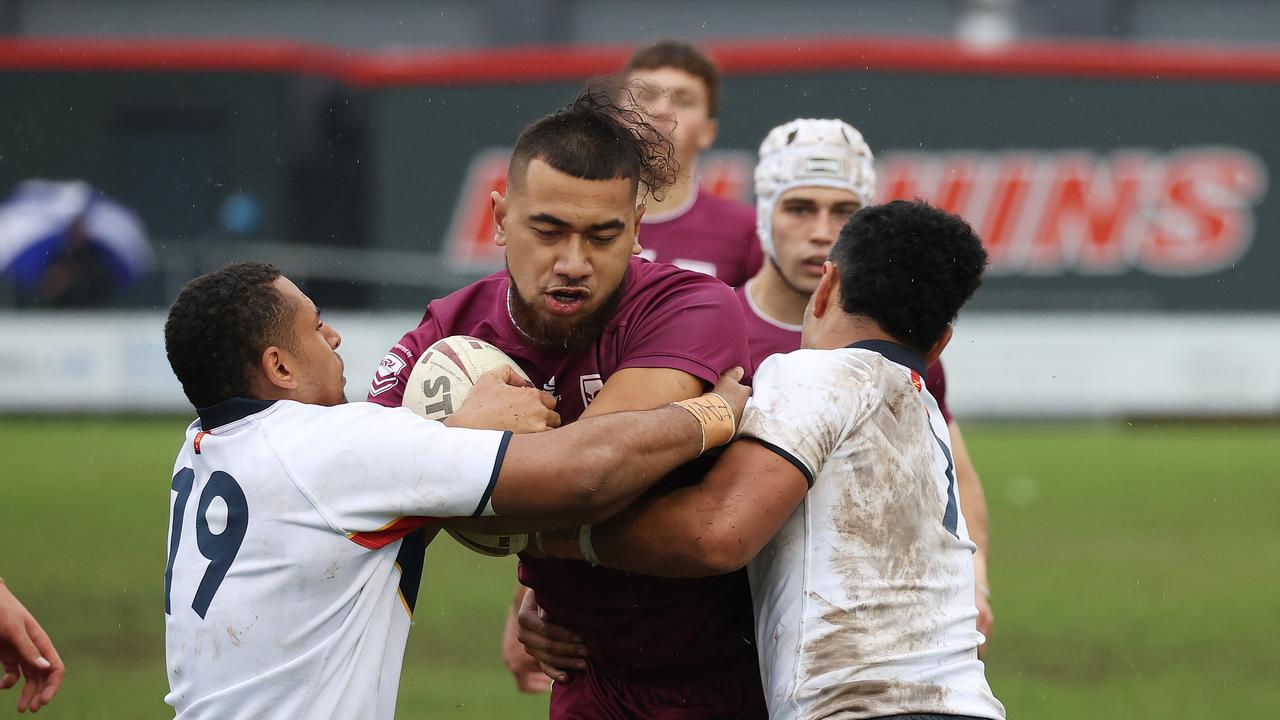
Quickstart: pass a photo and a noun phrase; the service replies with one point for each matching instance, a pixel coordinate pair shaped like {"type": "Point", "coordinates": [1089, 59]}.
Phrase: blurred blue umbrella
{"type": "Point", "coordinates": [42, 220]}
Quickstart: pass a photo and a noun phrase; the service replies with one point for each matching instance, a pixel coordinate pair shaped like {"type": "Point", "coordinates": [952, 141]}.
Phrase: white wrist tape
{"type": "Point", "coordinates": [585, 547]}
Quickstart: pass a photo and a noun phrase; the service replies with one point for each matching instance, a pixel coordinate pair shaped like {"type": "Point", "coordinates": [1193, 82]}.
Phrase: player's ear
{"type": "Point", "coordinates": [935, 352]}
{"type": "Point", "coordinates": [499, 218]}
{"type": "Point", "coordinates": [278, 369]}
{"type": "Point", "coordinates": [636, 249]}
{"type": "Point", "coordinates": [707, 135]}
{"type": "Point", "coordinates": [828, 291]}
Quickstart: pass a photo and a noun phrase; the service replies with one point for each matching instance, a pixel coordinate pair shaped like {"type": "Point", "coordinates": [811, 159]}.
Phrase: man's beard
{"type": "Point", "coordinates": [561, 338]}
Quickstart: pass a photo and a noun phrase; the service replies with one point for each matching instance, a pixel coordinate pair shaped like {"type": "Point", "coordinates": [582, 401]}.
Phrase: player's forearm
{"type": "Point", "coordinates": [634, 549]}
{"type": "Point", "coordinates": [685, 533]}
{"type": "Point", "coordinates": [595, 465]}
{"type": "Point", "coordinates": [677, 535]}
{"type": "Point", "coordinates": [712, 528]}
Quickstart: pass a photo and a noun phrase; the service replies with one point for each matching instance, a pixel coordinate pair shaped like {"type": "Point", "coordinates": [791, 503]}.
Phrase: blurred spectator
{"type": "Point", "coordinates": [64, 244]}
{"type": "Point", "coordinates": [679, 87]}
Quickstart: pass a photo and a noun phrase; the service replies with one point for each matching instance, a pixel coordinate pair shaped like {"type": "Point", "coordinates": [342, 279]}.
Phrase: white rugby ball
{"type": "Point", "coordinates": [439, 382]}
{"type": "Point", "coordinates": [446, 372]}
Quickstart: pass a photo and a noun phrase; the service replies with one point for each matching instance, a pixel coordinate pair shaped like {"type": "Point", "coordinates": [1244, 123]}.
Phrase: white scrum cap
{"type": "Point", "coordinates": [804, 153]}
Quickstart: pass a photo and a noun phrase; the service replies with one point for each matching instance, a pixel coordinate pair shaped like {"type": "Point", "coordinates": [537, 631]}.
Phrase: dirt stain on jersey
{"type": "Point", "coordinates": [872, 698]}
{"type": "Point", "coordinates": [887, 523]}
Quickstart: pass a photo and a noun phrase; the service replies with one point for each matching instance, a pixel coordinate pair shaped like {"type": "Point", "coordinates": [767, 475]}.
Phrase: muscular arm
{"type": "Point", "coordinates": [590, 469]}
{"type": "Point", "coordinates": [711, 528]}
{"type": "Point", "coordinates": [590, 465]}
{"type": "Point", "coordinates": [627, 391]}
{"type": "Point", "coordinates": [643, 389]}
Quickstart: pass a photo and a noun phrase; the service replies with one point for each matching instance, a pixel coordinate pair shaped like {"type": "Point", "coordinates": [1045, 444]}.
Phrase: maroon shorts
{"type": "Point", "coordinates": [734, 693]}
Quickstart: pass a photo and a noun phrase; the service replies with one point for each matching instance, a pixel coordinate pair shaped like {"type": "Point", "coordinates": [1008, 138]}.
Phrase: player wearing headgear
{"type": "Point", "coordinates": [679, 87]}
{"type": "Point", "coordinates": [841, 493]}
{"type": "Point", "coordinates": [813, 175]}
{"type": "Point", "coordinates": [289, 584]}
{"type": "Point", "coordinates": [606, 331]}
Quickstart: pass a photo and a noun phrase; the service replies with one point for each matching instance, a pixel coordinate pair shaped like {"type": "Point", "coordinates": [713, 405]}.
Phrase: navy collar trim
{"type": "Point", "coordinates": [894, 352]}
{"type": "Point", "coordinates": [229, 411]}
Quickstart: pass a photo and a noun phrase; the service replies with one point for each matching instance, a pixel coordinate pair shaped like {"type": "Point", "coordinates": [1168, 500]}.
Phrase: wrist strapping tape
{"type": "Point", "coordinates": [585, 547]}
{"type": "Point", "coordinates": [714, 416]}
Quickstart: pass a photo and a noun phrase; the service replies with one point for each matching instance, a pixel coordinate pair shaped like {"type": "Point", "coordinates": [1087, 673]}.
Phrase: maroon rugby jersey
{"type": "Point", "coordinates": [713, 236]}
{"type": "Point", "coordinates": [766, 337]}
{"type": "Point", "coordinates": [638, 627]}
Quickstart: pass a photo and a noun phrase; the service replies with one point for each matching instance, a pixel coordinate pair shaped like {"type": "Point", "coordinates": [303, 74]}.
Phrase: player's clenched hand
{"type": "Point", "coordinates": [730, 387]}
{"type": "Point", "coordinates": [26, 651]}
{"type": "Point", "coordinates": [558, 651]}
{"type": "Point", "coordinates": [502, 400]}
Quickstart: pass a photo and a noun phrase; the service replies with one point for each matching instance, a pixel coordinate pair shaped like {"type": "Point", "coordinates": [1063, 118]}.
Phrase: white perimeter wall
{"type": "Point", "coordinates": [1000, 366]}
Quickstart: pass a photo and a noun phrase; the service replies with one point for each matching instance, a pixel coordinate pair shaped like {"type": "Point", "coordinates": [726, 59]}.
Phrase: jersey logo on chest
{"type": "Point", "coordinates": [388, 374]}
{"type": "Point", "coordinates": [591, 386]}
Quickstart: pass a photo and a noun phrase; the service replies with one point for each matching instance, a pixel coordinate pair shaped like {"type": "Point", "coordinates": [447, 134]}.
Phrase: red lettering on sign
{"type": "Point", "coordinates": [956, 183]}
{"type": "Point", "coordinates": [1038, 213]}
{"type": "Point", "coordinates": [899, 178]}
{"type": "Point", "coordinates": [469, 241]}
{"type": "Point", "coordinates": [998, 223]}
{"type": "Point", "coordinates": [727, 174]}
{"type": "Point", "coordinates": [1204, 220]}
{"type": "Point", "coordinates": [1090, 215]}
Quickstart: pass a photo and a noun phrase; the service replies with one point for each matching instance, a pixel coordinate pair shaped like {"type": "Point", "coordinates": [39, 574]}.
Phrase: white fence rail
{"type": "Point", "coordinates": [998, 366]}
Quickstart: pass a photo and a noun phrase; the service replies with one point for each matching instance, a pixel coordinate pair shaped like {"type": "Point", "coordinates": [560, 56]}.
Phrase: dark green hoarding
{"type": "Point", "coordinates": [1107, 191]}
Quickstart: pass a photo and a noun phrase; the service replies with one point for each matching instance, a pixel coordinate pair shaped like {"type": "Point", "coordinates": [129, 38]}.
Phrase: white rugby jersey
{"type": "Point", "coordinates": [864, 600]}
{"type": "Point", "coordinates": [284, 593]}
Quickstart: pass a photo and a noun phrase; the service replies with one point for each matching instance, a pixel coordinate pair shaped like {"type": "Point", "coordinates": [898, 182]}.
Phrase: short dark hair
{"type": "Point", "coordinates": [219, 326]}
{"type": "Point", "coordinates": [908, 266]}
{"type": "Point", "coordinates": [601, 135]}
{"type": "Point", "coordinates": [683, 56]}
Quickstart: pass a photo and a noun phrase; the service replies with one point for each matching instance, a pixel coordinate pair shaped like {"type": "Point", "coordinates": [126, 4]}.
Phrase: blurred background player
{"type": "Point", "coordinates": [679, 87]}
{"type": "Point", "coordinates": [300, 604]}
{"type": "Point", "coordinates": [26, 652]}
{"type": "Point", "coordinates": [841, 494]}
{"type": "Point", "coordinates": [812, 176]}
{"type": "Point", "coordinates": [606, 332]}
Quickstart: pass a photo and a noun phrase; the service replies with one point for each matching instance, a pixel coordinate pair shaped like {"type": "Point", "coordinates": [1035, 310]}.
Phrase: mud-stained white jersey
{"type": "Point", "coordinates": [284, 596]}
{"type": "Point", "coordinates": [864, 600]}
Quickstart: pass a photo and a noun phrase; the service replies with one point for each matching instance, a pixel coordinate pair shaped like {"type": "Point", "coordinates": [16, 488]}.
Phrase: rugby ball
{"type": "Point", "coordinates": [446, 372]}
{"type": "Point", "coordinates": [439, 382]}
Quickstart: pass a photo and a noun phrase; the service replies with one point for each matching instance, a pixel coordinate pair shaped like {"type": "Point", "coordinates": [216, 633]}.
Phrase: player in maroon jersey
{"type": "Point", "coordinates": [605, 332]}
{"type": "Point", "coordinates": [689, 227]}
{"type": "Point", "coordinates": [812, 176]}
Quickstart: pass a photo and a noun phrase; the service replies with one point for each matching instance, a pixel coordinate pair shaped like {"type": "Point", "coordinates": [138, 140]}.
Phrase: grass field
{"type": "Point", "coordinates": [1135, 572]}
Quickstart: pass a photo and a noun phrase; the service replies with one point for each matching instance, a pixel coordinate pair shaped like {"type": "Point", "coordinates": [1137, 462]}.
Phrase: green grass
{"type": "Point", "coordinates": [1134, 571]}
